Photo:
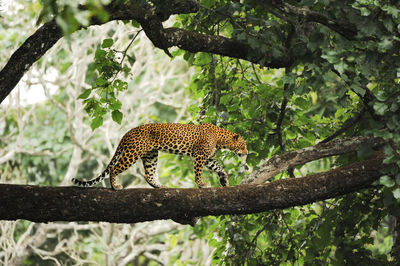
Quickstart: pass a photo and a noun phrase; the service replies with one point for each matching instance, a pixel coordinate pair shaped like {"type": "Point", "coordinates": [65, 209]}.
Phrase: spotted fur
{"type": "Point", "coordinates": [198, 141]}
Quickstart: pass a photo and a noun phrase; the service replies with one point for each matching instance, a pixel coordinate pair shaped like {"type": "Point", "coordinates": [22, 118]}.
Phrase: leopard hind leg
{"type": "Point", "coordinates": [130, 155]}
{"type": "Point", "coordinates": [150, 164]}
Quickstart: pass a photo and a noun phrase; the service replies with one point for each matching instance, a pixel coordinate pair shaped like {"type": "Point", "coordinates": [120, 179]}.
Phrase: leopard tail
{"type": "Point", "coordinates": [81, 183]}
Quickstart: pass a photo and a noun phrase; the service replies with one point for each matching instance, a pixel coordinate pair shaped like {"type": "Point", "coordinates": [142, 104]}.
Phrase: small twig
{"type": "Point", "coordinates": [255, 73]}
{"type": "Point", "coordinates": [259, 232]}
{"type": "Point", "coordinates": [278, 128]}
{"type": "Point", "coordinates": [124, 54]}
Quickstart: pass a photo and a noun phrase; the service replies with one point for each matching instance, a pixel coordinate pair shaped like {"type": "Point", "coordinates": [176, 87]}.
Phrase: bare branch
{"type": "Point", "coordinates": [286, 161]}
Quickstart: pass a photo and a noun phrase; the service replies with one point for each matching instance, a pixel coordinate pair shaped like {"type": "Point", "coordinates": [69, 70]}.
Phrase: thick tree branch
{"type": "Point", "coordinates": [277, 164]}
{"type": "Point", "coordinates": [29, 52]}
{"type": "Point", "coordinates": [45, 204]}
{"type": "Point", "coordinates": [198, 42]}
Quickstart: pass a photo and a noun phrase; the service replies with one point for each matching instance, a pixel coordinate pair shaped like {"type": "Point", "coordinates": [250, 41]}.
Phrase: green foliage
{"type": "Point", "coordinates": [70, 16]}
{"type": "Point", "coordinates": [42, 166]}
{"type": "Point", "coordinates": [102, 75]}
{"type": "Point", "coordinates": [333, 78]}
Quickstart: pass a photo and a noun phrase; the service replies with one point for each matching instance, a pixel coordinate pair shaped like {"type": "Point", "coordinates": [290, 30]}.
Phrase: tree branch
{"type": "Point", "coordinates": [45, 204]}
{"type": "Point", "coordinates": [198, 42]}
{"type": "Point", "coordinates": [28, 53]}
{"type": "Point", "coordinates": [277, 164]}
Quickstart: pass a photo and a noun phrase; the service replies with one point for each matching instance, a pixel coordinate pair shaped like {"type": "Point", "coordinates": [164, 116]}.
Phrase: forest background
{"type": "Point", "coordinates": [312, 86]}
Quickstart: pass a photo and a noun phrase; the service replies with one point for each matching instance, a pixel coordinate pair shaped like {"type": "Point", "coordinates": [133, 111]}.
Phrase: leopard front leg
{"type": "Point", "coordinates": [199, 161]}
{"type": "Point", "coordinates": [212, 164]}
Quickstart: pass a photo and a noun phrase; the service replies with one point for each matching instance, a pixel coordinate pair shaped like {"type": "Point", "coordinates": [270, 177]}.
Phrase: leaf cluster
{"type": "Point", "coordinates": [102, 75]}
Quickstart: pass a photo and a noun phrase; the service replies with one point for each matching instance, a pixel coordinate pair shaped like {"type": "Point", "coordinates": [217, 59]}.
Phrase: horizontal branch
{"type": "Point", "coordinates": [280, 163]}
{"type": "Point", "coordinates": [198, 42]}
{"type": "Point", "coordinates": [45, 204]}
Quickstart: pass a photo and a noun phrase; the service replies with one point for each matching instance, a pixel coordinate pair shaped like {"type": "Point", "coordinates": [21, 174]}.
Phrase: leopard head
{"type": "Point", "coordinates": [238, 145]}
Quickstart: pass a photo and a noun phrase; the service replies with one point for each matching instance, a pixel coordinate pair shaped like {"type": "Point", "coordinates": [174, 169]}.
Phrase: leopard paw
{"type": "Point", "coordinates": [201, 185]}
{"type": "Point", "coordinates": [117, 187]}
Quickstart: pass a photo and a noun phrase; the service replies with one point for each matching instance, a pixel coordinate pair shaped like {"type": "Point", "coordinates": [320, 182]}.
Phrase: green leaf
{"type": "Point", "coordinates": [380, 108]}
{"type": "Point", "coordinates": [120, 85]}
{"type": "Point", "coordinates": [107, 43]}
{"type": "Point", "coordinates": [193, 108]}
{"type": "Point", "coordinates": [359, 90]}
{"type": "Point", "coordinates": [331, 57]}
{"type": "Point", "coordinates": [100, 54]}
{"type": "Point", "coordinates": [396, 193]}
{"type": "Point", "coordinates": [340, 67]}
{"type": "Point", "coordinates": [96, 122]}
{"type": "Point", "coordinates": [386, 181]}
{"type": "Point", "coordinates": [225, 99]}
{"type": "Point", "coordinates": [241, 36]}
{"type": "Point", "coordinates": [117, 116]}
{"type": "Point", "coordinates": [132, 58]}
{"type": "Point", "coordinates": [385, 44]}
{"type": "Point", "coordinates": [202, 59]}
{"type": "Point", "coordinates": [85, 94]}
{"type": "Point", "coordinates": [116, 105]}
{"type": "Point", "coordinates": [364, 150]}
{"type": "Point", "coordinates": [135, 24]}
{"type": "Point", "coordinates": [100, 82]}
{"type": "Point", "coordinates": [102, 14]}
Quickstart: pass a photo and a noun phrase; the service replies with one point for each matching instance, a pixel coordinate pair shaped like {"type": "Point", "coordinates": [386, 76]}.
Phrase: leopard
{"type": "Point", "coordinates": [199, 141]}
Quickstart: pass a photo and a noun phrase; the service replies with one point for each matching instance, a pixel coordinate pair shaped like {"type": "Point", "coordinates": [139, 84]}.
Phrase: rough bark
{"type": "Point", "coordinates": [278, 164]}
{"type": "Point", "coordinates": [45, 204]}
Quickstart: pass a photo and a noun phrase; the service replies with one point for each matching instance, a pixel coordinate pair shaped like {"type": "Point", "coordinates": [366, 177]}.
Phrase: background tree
{"type": "Point", "coordinates": [285, 74]}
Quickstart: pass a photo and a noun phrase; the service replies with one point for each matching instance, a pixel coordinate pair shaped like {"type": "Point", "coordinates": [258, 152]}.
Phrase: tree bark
{"type": "Point", "coordinates": [46, 204]}
{"type": "Point", "coordinates": [289, 160]}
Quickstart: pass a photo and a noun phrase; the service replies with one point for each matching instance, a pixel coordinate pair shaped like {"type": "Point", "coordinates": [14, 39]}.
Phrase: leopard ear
{"type": "Point", "coordinates": [235, 137]}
